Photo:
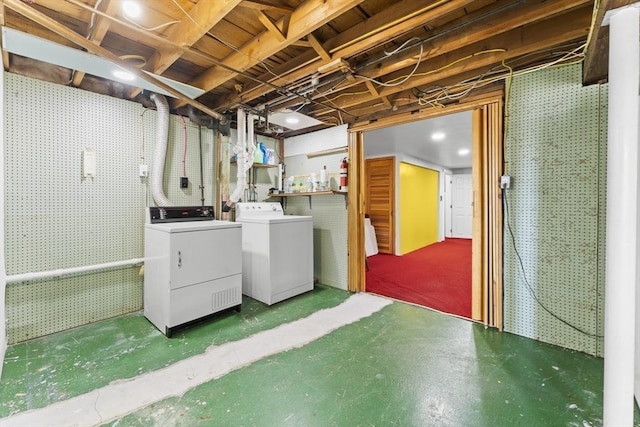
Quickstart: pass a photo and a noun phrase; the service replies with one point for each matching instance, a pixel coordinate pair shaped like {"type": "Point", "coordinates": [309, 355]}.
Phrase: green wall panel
{"type": "Point", "coordinates": [57, 219]}
{"type": "Point", "coordinates": [555, 151]}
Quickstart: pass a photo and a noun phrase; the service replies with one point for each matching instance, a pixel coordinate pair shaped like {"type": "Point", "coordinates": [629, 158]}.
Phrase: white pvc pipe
{"type": "Point", "coordinates": [244, 155]}
{"type": "Point", "coordinates": [27, 277]}
{"type": "Point", "coordinates": [160, 151]}
{"type": "Point", "coordinates": [622, 219]}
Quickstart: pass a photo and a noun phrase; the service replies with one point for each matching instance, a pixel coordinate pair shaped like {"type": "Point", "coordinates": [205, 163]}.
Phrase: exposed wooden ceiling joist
{"type": "Point", "coordinates": [38, 17]}
{"type": "Point", "coordinates": [596, 64]}
{"type": "Point", "coordinates": [316, 55]}
{"type": "Point", "coordinates": [406, 13]}
{"type": "Point", "coordinates": [306, 18]}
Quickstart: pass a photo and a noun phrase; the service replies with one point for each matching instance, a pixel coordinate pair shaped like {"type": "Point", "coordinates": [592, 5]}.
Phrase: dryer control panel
{"type": "Point", "coordinates": [180, 213]}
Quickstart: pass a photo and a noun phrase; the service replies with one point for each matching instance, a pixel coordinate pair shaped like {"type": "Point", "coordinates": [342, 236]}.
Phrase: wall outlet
{"type": "Point", "coordinates": [143, 170]}
{"type": "Point", "coordinates": [505, 182]}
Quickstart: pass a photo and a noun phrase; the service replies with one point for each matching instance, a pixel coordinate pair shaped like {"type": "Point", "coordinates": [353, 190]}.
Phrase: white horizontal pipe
{"type": "Point", "coordinates": [27, 277]}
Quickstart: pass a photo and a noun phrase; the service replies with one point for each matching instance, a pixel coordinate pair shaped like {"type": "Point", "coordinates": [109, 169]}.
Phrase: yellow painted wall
{"type": "Point", "coordinates": [418, 219]}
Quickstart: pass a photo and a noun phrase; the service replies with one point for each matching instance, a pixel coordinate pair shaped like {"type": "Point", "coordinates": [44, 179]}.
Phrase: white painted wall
{"type": "Point", "coordinates": [316, 141]}
{"type": "Point", "coordinates": [3, 320]}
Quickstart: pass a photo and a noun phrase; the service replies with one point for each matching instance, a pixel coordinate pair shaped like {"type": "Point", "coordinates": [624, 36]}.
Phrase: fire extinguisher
{"type": "Point", "coordinates": [344, 165]}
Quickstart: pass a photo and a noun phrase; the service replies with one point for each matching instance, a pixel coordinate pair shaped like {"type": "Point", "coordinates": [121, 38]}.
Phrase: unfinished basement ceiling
{"type": "Point", "coordinates": [338, 61]}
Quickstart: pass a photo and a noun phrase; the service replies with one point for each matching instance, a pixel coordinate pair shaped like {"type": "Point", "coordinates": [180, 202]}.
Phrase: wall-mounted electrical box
{"type": "Point", "coordinates": [88, 162]}
{"type": "Point", "coordinates": [505, 182]}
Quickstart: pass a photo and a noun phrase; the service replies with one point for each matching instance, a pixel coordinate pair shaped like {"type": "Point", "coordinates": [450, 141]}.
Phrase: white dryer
{"type": "Point", "coordinates": [193, 266]}
{"type": "Point", "coordinates": [277, 252]}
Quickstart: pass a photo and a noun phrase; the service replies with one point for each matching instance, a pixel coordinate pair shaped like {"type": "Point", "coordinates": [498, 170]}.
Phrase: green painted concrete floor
{"type": "Point", "coordinates": [401, 366]}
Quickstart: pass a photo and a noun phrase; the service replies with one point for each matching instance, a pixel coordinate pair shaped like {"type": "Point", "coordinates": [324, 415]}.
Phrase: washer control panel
{"type": "Point", "coordinates": [258, 210]}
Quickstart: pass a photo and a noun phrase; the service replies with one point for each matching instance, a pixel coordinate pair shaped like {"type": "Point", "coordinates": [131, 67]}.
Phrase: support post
{"type": "Point", "coordinates": [622, 218]}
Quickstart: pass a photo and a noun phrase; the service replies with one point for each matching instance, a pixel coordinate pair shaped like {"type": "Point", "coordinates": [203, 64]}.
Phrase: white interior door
{"type": "Point", "coordinates": [462, 209]}
{"type": "Point", "coordinates": [448, 185]}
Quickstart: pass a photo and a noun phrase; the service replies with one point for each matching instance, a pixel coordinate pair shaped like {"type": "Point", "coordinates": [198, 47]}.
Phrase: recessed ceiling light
{"type": "Point", "coordinates": [463, 151]}
{"type": "Point", "coordinates": [123, 75]}
{"type": "Point", "coordinates": [131, 9]}
{"type": "Point", "coordinates": [437, 136]}
{"type": "Point", "coordinates": [292, 120]}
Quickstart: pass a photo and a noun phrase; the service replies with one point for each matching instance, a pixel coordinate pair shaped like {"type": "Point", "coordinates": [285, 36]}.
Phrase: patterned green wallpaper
{"type": "Point", "coordinates": [555, 150]}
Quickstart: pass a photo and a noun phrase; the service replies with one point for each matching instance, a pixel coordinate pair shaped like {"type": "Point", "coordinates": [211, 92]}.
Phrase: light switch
{"type": "Point", "coordinates": [89, 162]}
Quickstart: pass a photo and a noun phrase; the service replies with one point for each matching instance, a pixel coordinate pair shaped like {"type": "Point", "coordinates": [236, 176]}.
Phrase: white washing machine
{"type": "Point", "coordinates": [193, 266]}
{"type": "Point", "coordinates": [277, 252]}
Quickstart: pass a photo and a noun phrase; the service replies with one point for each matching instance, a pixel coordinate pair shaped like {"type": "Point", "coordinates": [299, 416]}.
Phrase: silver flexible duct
{"type": "Point", "coordinates": [160, 151]}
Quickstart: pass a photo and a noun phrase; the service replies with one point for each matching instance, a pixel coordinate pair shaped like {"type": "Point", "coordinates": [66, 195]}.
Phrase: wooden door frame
{"type": "Point", "coordinates": [487, 227]}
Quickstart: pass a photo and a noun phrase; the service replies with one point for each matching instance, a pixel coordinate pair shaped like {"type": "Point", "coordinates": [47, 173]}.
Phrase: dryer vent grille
{"type": "Point", "coordinates": [226, 298]}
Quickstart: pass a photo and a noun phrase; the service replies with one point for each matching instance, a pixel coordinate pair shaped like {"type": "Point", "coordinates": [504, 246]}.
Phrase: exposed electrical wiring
{"type": "Point", "coordinates": [150, 29]}
{"type": "Point", "coordinates": [398, 81]}
{"type": "Point", "coordinates": [92, 23]}
{"type": "Point", "coordinates": [465, 87]}
{"type": "Point", "coordinates": [184, 146]}
{"type": "Point", "coordinates": [526, 280]}
{"type": "Point", "coordinates": [594, 18]}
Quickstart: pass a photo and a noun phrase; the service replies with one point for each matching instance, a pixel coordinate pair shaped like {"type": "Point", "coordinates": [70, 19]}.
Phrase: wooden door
{"type": "Point", "coordinates": [380, 200]}
{"type": "Point", "coordinates": [462, 203]}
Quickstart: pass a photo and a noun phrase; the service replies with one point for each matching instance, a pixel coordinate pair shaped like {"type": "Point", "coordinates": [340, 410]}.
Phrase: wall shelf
{"type": "Point", "coordinates": [285, 196]}
{"type": "Point", "coordinates": [258, 165]}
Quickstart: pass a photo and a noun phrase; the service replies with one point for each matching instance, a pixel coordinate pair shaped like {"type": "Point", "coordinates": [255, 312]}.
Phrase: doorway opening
{"type": "Point", "coordinates": [418, 201]}
{"type": "Point", "coordinates": [487, 166]}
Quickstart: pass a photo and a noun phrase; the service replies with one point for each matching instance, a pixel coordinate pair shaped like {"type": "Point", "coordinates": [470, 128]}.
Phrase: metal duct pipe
{"type": "Point", "coordinates": [160, 151]}
{"type": "Point", "coordinates": [202, 119]}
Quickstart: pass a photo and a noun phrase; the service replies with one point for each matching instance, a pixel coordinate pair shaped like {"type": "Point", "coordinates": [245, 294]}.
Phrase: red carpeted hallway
{"type": "Point", "coordinates": [437, 276]}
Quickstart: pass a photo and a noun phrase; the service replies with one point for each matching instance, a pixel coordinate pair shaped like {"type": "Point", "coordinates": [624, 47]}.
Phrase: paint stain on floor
{"type": "Point", "coordinates": [403, 366]}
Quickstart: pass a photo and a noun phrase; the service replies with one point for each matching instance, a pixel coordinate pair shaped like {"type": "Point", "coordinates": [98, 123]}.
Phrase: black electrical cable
{"type": "Point", "coordinates": [524, 274]}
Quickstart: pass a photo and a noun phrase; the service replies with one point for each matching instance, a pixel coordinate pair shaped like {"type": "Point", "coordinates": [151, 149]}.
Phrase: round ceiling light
{"type": "Point", "coordinates": [463, 152]}
{"type": "Point", "coordinates": [123, 75]}
{"type": "Point", "coordinates": [131, 9]}
{"type": "Point", "coordinates": [292, 120]}
{"type": "Point", "coordinates": [438, 136]}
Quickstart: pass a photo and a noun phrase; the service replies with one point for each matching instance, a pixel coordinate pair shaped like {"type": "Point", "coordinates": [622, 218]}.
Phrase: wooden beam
{"type": "Point", "coordinates": [317, 46]}
{"type": "Point", "coordinates": [510, 18]}
{"type": "Point", "coordinates": [99, 31]}
{"type": "Point", "coordinates": [271, 26]}
{"type": "Point", "coordinates": [58, 28]}
{"type": "Point", "coordinates": [309, 16]}
{"type": "Point", "coordinates": [482, 24]}
{"type": "Point", "coordinates": [202, 17]}
{"type": "Point", "coordinates": [596, 63]}
{"type": "Point", "coordinates": [5, 54]}
{"type": "Point", "coordinates": [408, 15]}
{"type": "Point", "coordinates": [571, 26]}
{"type": "Point", "coordinates": [266, 5]}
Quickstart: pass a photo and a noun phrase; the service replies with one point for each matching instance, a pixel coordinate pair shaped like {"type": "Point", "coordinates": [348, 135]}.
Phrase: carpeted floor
{"type": "Point", "coordinates": [437, 276]}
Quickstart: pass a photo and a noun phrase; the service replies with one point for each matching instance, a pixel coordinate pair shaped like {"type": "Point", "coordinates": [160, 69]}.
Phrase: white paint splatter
{"type": "Point", "coordinates": [123, 397]}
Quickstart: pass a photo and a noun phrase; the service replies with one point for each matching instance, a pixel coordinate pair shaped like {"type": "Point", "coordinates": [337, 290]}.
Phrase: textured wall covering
{"type": "Point", "coordinates": [57, 219]}
{"type": "Point", "coordinates": [556, 152]}
{"type": "Point", "coordinates": [329, 219]}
